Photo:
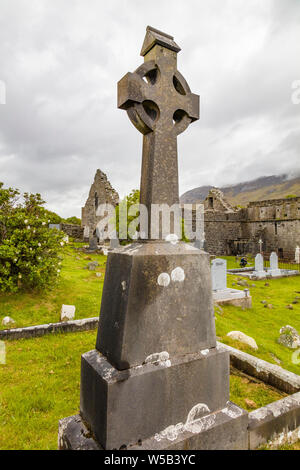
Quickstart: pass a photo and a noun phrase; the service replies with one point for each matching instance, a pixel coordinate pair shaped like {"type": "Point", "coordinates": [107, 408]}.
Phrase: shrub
{"type": "Point", "coordinates": [29, 250]}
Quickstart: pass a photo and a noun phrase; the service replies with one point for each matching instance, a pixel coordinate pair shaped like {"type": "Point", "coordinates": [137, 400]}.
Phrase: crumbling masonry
{"type": "Point", "coordinates": [232, 231]}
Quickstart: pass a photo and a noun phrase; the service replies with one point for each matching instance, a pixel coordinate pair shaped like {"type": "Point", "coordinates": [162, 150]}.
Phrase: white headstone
{"type": "Point", "coordinates": [259, 263]}
{"type": "Point", "coordinates": [67, 312]}
{"type": "Point", "coordinates": [259, 266]}
{"type": "Point", "coordinates": [219, 274]}
{"type": "Point", "coordinates": [274, 271]}
{"type": "Point", "coordinates": [297, 255]}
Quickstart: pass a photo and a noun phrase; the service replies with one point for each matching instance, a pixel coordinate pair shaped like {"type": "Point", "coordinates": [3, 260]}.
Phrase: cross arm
{"type": "Point", "coordinates": [130, 90]}
{"type": "Point", "coordinates": [193, 106]}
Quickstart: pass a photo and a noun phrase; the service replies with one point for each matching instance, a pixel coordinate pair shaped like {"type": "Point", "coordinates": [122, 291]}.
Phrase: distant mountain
{"type": "Point", "coordinates": [260, 189]}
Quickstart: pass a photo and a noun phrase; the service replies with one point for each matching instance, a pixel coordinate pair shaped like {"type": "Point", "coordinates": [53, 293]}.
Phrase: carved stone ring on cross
{"type": "Point", "coordinates": [145, 113]}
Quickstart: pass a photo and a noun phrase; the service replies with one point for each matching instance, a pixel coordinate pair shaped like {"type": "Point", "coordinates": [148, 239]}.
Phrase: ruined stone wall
{"type": "Point", "coordinates": [220, 230]}
{"type": "Point", "coordinates": [275, 222]}
{"type": "Point", "coordinates": [101, 192]}
{"type": "Point", "coordinates": [276, 209]}
{"type": "Point", "coordinates": [74, 231]}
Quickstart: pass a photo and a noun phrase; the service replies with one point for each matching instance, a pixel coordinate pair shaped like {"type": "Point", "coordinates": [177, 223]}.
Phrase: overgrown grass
{"type": "Point", "coordinates": [263, 324]}
{"type": "Point", "coordinates": [40, 384]}
{"type": "Point", "coordinates": [77, 286]}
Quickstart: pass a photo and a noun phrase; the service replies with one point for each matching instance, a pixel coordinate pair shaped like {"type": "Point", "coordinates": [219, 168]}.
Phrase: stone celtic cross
{"type": "Point", "coordinates": [160, 104]}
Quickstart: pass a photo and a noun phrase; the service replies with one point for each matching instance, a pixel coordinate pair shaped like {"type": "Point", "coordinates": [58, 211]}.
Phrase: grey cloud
{"type": "Point", "coordinates": [61, 61]}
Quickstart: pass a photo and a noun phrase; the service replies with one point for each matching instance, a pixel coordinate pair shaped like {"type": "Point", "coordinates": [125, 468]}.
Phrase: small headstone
{"type": "Point", "coordinates": [93, 243]}
{"type": "Point", "coordinates": [66, 239]}
{"type": "Point", "coordinates": [86, 232]}
{"type": "Point", "coordinates": [239, 336]}
{"type": "Point", "coordinates": [8, 321]}
{"type": "Point", "coordinates": [67, 312]}
{"type": "Point", "coordinates": [219, 274]}
{"type": "Point", "coordinates": [114, 243]}
{"type": "Point", "coordinates": [274, 271]}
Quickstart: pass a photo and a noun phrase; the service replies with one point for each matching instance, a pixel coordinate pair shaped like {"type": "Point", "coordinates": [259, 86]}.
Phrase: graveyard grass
{"type": "Point", "coordinates": [263, 323]}
{"type": "Point", "coordinates": [77, 286]}
{"type": "Point", "coordinates": [40, 384]}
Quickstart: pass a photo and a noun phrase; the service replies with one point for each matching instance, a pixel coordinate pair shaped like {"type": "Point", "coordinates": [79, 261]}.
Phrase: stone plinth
{"type": "Point", "coordinates": [124, 407]}
{"type": "Point", "coordinates": [161, 286]}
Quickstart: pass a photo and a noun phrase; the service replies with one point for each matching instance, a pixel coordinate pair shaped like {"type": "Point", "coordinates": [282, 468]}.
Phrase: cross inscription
{"type": "Point", "coordinates": [161, 106]}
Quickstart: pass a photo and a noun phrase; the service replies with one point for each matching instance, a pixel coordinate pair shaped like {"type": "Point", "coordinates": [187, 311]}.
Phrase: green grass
{"type": "Point", "coordinates": [263, 324]}
{"type": "Point", "coordinates": [251, 395]}
{"type": "Point", "coordinates": [40, 385]}
{"type": "Point", "coordinates": [77, 286]}
{"type": "Point", "coordinates": [232, 263]}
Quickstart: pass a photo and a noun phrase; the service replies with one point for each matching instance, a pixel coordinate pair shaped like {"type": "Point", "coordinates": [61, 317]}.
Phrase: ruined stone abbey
{"type": "Point", "coordinates": [101, 192]}
{"type": "Point", "coordinates": [228, 230]}
{"type": "Point", "coordinates": [231, 231]}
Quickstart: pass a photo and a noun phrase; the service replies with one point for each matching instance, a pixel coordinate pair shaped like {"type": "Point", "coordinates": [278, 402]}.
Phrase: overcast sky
{"type": "Point", "coordinates": [61, 61]}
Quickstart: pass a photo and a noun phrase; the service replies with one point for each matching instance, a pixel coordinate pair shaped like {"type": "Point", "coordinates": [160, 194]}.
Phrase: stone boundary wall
{"type": "Point", "coordinates": [84, 324]}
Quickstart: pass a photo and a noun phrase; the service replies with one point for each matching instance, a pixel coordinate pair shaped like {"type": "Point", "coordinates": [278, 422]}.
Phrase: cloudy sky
{"type": "Point", "coordinates": [61, 61]}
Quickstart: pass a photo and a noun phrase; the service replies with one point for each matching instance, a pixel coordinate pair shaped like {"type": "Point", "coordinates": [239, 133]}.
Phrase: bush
{"type": "Point", "coordinates": [29, 250]}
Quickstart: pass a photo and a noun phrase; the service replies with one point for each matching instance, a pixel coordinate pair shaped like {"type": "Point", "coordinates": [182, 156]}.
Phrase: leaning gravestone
{"type": "Point", "coordinates": [274, 271]}
{"type": "Point", "coordinates": [157, 379]}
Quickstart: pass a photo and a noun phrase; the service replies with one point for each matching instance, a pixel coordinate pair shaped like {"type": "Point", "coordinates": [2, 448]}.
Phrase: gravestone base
{"type": "Point", "coordinates": [258, 275]}
{"type": "Point", "coordinates": [225, 429]}
{"type": "Point", "coordinates": [123, 407]}
{"type": "Point", "coordinates": [275, 272]}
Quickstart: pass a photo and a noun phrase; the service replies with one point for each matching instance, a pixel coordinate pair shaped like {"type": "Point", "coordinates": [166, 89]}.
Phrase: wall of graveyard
{"type": "Point", "coordinates": [74, 231]}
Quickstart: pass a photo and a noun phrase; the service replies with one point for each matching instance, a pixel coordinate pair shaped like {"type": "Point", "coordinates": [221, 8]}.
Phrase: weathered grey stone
{"type": "Point", "coordinates": [146, 399]}
{"type": "Point", "coordinates": [39, 330]}
{"type": "Point", "coordinates": [225, 429]}
{"type": "Point", "coordinates": [67, 312]}
{"type": "Point", "coordinates": [239, 336]}
{"type": "Point", "coordinates": [275, 424]}
{"type": "Point", "coordinates": [271, 374]}
{"type": "Point", "coordinates": [159, 369]}
{"type": "Point", "coordinates": [92, 265]}
{"type": "Point", "coordinates": [101, 192]}
{"type": "Point", "coordinates": [8, 321]}
{"type": "Point", "coordinates": [289, 337]}
{"type": "Point", "coordinates": [139, 292]}
{"type": "Point", "coordinates": [160, 109]}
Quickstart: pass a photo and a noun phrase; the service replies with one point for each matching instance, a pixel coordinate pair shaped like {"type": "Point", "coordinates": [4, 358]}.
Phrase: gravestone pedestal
{"type": "Point", "coordinates": [157, 379]}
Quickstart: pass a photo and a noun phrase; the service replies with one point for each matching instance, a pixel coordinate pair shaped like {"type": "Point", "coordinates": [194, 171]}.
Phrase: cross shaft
{"type": "Point", "coordinates": [160, 104]}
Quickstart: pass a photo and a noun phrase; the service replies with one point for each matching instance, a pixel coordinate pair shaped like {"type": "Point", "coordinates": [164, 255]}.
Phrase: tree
{"type": "Point", "coordinates": [29, 250]}
{"type": "Point", "coordinates": [73, 220]}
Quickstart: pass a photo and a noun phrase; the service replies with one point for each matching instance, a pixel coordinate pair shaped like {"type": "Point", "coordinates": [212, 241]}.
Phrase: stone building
{"type": "Point", "coordinates": [101, 192]}
{"type": "Point", "coordinates": [231, 231]}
